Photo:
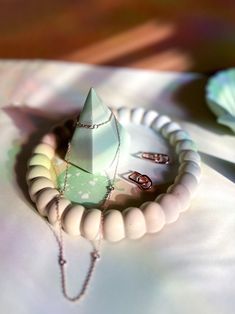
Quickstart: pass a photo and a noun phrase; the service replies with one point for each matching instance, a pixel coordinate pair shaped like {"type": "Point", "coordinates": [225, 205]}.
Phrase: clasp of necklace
{"type": "Point", "coordinates": [95, 255]}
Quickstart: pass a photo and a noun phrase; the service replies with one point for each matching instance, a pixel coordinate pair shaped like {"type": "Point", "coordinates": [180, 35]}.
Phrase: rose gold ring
{"type": "Point", "coordinates": [141, 180]}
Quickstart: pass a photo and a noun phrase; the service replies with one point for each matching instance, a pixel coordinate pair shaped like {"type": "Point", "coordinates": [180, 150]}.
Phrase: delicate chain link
{"type": "Point", "coordinates": [95, 254]}
{"type": "Point", "coordinates": [94, 126]}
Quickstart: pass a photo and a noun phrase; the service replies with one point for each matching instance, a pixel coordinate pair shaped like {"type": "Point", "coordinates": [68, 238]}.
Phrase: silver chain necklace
{"type": "Point", "coordinates": [95, 253]}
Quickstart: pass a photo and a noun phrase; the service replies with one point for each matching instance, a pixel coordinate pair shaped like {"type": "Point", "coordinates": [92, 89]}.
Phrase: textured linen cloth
{"type": "Point", "coordinates": [188, 267]}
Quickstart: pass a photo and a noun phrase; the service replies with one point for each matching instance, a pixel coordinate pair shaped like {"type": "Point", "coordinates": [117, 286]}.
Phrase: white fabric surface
{"type": "Point", "coordinates": [189, 267]}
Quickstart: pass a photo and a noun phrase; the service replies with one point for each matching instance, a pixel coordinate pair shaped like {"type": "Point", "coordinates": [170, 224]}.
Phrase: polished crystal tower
{"type": "Point", "coordinates": [96, 138]}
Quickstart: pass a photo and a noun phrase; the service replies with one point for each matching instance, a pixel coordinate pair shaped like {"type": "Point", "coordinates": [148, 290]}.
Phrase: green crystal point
{"type": "Point", "coordinates": [94, 111]}
{"type": "Point", "coordinates": [94, 149]}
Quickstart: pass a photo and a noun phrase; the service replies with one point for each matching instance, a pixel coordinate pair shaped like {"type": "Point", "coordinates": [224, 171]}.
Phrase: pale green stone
{"type": "Point", "coordinates": [85, 188]}
{"type": "Point", "coordinates": [94, 150]}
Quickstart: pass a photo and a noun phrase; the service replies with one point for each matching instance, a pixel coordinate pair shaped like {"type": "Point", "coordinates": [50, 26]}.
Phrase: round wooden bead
{"type": "Point", "coordinates": [149, 117]}
{"type": "Point", "coordinates": [154, 216]}
{"type": "Point", "coordinates": [123, 115]}
{"type": "Point", "coordinates": [113, 227]}
{"type": "Point", "coordinates": [50, 139]}
{"type": "Point", "coordinates": [38, 171]}
{"type": "Point", "coordinates": [185, 145]}
{"type": "Point", "coordinates": [190, 155]}
{"type": "Point", "coordinates": [160, 122]}
{"type": "Point", "coordinates": [40, 160]}
{"type": "Point", "coordinates": [44, 149]}
{"type": "Point", "coordinates": [134, 221]}
{"type": "Point", "coordinates": [189, 181]}
{"type": "Point", "coordinates": [170, 127]}
{"type": "Point", "coordinates": [176, 136]}
{"type": "Point", "coordinates": [190, 167]}
{"type": "Point", "coordinates": [71, 219]}
{"type": "Point", "coordinates": [43, 198]}
{"type": "Point", "coordinates": [56, 208]}
{"type": "Point", "coordinates": [137, 115]}
{"type": "Point", "coordinates": [170, 206]}
{"type": "Point", "coordinates": [37, 185]}
{"type": "Point", "coordinates": [182, 195]}
{"type": "Point", "coordinates": [91, 226]}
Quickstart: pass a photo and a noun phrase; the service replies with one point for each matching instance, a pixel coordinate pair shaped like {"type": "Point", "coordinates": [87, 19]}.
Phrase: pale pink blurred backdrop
{"type": "Point", "coordinates": [184, 35]}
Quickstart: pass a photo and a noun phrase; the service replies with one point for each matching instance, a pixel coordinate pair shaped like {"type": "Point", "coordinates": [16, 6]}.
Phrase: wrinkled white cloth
{"type": "Point", "coordinates": [189, 267]}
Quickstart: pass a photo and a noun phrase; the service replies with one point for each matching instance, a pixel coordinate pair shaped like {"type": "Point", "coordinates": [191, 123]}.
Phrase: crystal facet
{"type": "Point", "coordinates": [95, 140]}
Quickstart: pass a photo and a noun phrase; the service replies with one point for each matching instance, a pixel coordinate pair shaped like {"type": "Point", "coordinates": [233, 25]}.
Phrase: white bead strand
{"type": "Point", "coordinates": [132, 222]}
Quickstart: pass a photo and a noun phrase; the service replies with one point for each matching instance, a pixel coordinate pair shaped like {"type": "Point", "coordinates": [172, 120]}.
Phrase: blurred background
{"type": "Point", "coordinates": [184, 35]}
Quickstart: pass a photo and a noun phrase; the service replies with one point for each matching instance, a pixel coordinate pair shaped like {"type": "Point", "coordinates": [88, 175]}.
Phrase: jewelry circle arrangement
{"type": "Point", "coordinates": [132, 222]}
